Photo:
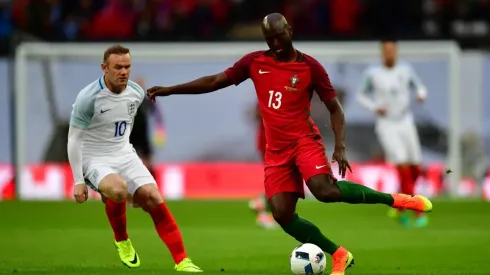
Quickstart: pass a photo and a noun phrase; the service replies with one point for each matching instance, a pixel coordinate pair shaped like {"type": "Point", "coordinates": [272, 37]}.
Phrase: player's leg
{"type": "Point", "coordinates": [391, 138]}
{"type": "Point", "coordinates": [144, 153]}
{"type": "Point", "coordinates": [415, 160]}
{"type": "Point", "coordinates": [113, 190]}
{"type": "Point", "coordinates": [315, 169]}
{"type": "Point", "coordinates": [116, 214]}
{"type": "Point", "coordinates": [143, 188]}
{"type": "Point", "coordinates": [113, 187]}
{"type": "Point", "coordinates": [283, 186]}
{"type": "Point", "coordinates": [393, 143]}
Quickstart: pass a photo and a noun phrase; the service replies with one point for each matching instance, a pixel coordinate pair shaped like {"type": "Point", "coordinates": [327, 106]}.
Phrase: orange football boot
{"type": "Point", "coordinates": [341, 260]}
{"type": "Point", "coordinates": [415, 203]}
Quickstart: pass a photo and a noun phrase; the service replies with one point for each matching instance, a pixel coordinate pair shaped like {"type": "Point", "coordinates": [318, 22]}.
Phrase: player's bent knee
{"type": "Point", "coordinates": [148, 196]}
{"type": "Point", "coordinates": [324, 188]}
{"type": "Point", "coordinates": [283, 216]}
{"type": "Point", "coordinates": [327, 194]}
{"type": "Point", "coordinates": [283, 207]}
{"type": "Point", "coordinates": [114, 188]}
{"type": "Point", "coordinates": [119, 192]}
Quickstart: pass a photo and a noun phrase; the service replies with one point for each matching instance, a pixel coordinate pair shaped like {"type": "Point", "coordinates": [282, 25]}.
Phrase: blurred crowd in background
{"type": "Point", "coordinates": [168, 20]}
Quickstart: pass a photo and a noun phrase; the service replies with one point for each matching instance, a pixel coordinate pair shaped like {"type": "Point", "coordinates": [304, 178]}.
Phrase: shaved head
{"type": "Point", "coordinates": [274, 22]}
{"type": "Point", "coordinates": [277, 33]}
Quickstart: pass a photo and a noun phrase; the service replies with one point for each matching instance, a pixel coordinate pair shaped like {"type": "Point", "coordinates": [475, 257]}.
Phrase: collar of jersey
{"type": "Point", "coordinates": [102, 83]}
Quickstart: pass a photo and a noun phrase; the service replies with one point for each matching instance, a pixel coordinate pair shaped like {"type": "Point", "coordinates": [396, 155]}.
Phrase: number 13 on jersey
{"type": "Point", "coordinates": [275, 99]}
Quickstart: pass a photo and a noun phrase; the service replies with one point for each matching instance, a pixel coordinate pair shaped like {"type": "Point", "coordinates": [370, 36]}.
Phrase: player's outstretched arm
{"type": "Point", "coordinates": [201, 85]}
{"type": "Point", "coordinates": [236, 74]}
{"type": "Point", "coordinates": [75, 138]}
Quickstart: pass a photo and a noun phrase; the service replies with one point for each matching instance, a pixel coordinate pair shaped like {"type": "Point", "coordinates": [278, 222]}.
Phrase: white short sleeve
{"type": "Point", "coordinates": [83, 108]}
{"type": "Point", "coordinates": [139, 89]}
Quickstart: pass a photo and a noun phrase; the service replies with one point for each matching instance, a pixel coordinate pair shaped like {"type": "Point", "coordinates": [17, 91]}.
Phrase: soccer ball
{"type": "Point", "coordinates": [308, 259]}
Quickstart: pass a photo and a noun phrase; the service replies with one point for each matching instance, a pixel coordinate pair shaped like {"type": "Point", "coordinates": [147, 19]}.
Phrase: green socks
{"type": "Point", "coordinates": [357, 193]}
{"type": "Point", "coordinates": [306, 232]}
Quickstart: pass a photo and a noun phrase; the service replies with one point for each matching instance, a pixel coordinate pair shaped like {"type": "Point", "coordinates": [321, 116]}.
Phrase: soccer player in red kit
{"type": "Point", "coordinates": [284, 80]}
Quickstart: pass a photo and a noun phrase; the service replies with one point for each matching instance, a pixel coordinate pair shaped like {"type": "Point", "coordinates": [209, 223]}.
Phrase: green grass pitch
{"type": "Point", "coordinates": [222, 238]}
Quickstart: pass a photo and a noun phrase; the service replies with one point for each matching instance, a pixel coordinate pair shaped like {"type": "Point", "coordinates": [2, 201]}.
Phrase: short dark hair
{"type": "Point", "coordinates": [388, 40]}
{"type": "Point", "coordinates": [115, 49]}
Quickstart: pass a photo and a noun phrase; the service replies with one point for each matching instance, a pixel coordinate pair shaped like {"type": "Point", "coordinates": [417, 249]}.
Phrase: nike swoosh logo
{"type": "Point", "coordinates": [319, 166]}
{"type": "Point", "coordinates": [263, 72]}
{"type": "Point", "coordinates": [135, 260]}
{"type": "Point", "coordinates": [103, 111]}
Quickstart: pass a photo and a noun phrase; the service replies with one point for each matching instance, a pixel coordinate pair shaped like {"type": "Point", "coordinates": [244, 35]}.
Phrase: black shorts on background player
{"type": "Point", "coordinates": [139, 137]}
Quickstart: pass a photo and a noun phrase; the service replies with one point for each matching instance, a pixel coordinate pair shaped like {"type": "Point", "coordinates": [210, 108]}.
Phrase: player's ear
{"type": "Point", "coordinates": [103, 66]}
{"type": "Point", "coordinates": [290, 30]}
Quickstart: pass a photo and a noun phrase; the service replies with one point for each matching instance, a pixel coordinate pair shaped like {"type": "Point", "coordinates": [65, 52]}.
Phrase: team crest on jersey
{"type": "Point", "coordinates": [132, 108]}
{"type": "Point", "coordinates": [293, 80]}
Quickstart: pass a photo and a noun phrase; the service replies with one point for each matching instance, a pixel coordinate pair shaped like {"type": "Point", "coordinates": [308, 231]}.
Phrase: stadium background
{"type": "Point", "coordinates": [205, 148]}
{"type": "Point", "coordinates": [209, 147]}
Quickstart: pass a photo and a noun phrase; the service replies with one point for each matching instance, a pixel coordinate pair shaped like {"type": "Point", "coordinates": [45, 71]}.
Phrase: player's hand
{"type": "Point", "coordinates": [381, 111]}
{"type": "Point", "coordinates": [339, 157]}
{"type": "Point", "coordinates": [420, 99]}
{"type": "Point", "coordinates": [80, 192]}
{"type": "Point", "coordinates": [157, 91]}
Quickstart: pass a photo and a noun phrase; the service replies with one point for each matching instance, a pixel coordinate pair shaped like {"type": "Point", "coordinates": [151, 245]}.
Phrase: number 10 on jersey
{"type": "Point", "coordinates": [275, 99]}
{"type": "Point", "coordinates": [120, 128]}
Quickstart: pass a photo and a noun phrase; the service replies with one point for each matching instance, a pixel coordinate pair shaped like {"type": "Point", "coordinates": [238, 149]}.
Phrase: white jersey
{"type": "Point", "coordinates": [106, 118]}
{"type": "Point", "coordinates": [390, 89]}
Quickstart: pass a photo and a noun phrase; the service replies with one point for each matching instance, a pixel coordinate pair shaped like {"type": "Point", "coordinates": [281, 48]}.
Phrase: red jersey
{"type": "Point", "coordinates": [284, 91]}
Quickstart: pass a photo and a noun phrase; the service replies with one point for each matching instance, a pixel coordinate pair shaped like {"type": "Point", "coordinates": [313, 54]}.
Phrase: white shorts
{"type": "Point", "coordinates": [130, 168]}
{"type": "Point", "coordinates": [400, 141]}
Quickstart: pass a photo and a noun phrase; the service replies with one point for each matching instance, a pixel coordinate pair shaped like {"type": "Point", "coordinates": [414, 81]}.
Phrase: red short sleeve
{"type": "Point", "coordinates": [320, 80]}
{"type": "Point", "coordinates": [240, 71]}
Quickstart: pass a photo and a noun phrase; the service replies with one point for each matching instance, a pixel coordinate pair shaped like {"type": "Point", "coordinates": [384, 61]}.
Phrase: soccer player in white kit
{"type": "Point", "coordinates": [101, 156]}
{"type": "Point", "coordinates": [386, 90]}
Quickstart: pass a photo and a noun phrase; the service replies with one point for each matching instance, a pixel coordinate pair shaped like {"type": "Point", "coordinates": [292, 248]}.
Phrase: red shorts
{"type": "Point", "coordinates": [285, 170]}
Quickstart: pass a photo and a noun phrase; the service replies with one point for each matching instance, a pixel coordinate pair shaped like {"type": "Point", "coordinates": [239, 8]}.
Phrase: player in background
{"type": "Point", "coordinates": [101, 156]}
{"type": "Point", "coordinates": [284, 80]}
{"type": "Point", "coordinates": [385, 90]}
{"type": "Point", "coordinates": [259, 204]}
{"type": "Point", "coordinates": [139, 137]}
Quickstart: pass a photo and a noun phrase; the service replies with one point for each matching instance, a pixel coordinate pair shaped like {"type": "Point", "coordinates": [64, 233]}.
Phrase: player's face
{"type": "Point", "coordinates": [117, 69]}
{"type": "Point", "coordinates": [279, 41]}
{"type": "Point", "coordinates": [389, 52]}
